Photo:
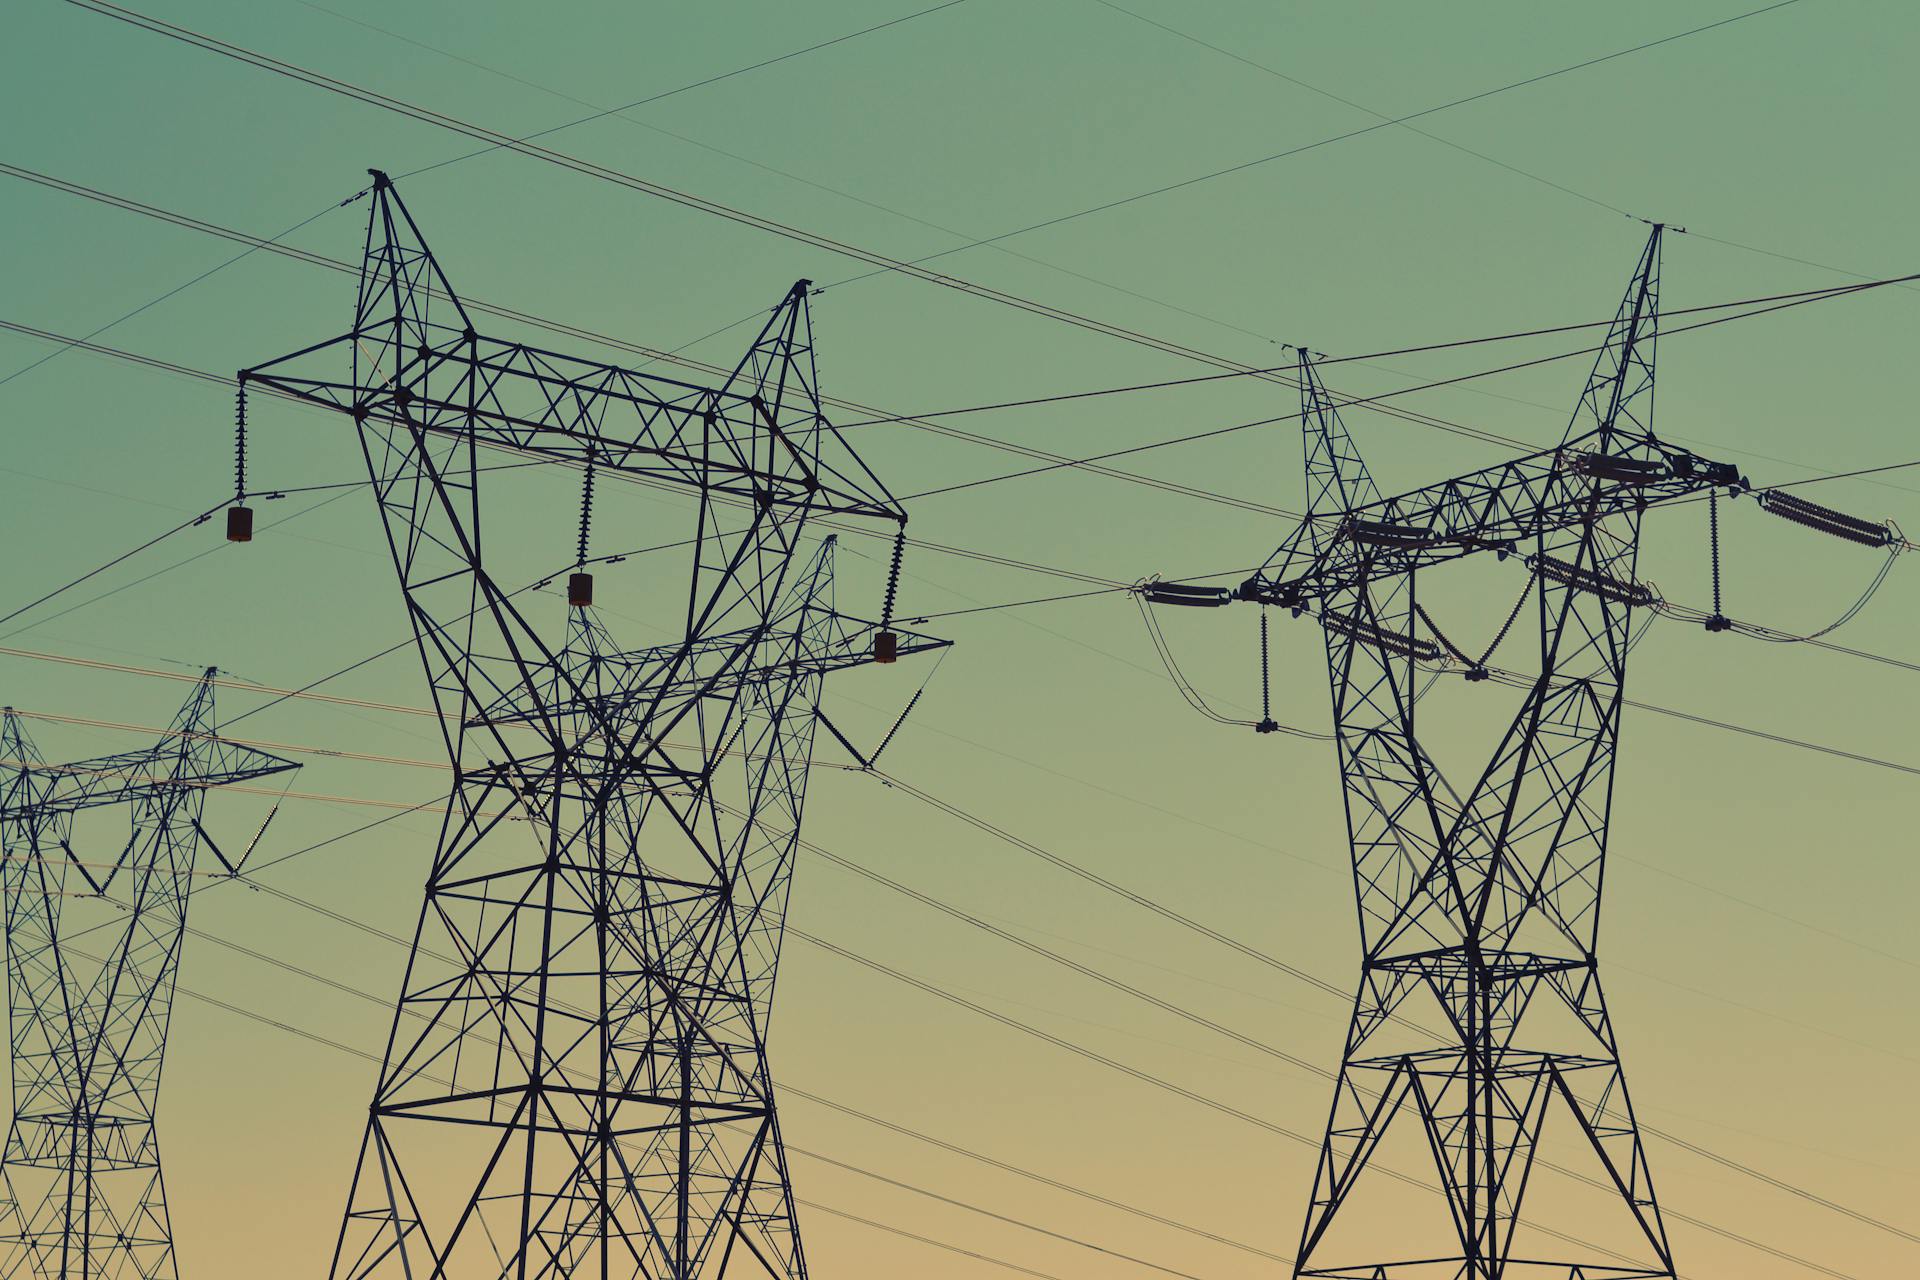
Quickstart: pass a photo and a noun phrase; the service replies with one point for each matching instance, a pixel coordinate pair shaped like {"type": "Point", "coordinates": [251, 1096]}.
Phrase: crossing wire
{"type": "Point", "coordinates": [702, 204]}
{"type": "Point", "coordinates": [880, 261]}
{"type": "Point", "coordinates": [346, 988]}
{"type": "Point", "coordinates": [965, 553]}
{"type": "Point", "coordinates": [1127, 988]}
{"type": "Point", "coordinates": [926, 421]}
{"type": "Point", "coordinates": [315, 1037]}
{"type": "Point", "coordinates": [575, 331]}
{"type": "Point", "coordinates": [1303, 148]}
{"type": "Point", "coordinates": [1376, 400]}
{"type": "Point", "coordinates": [1204, 1100]}
{"type": "Point", "coordinates": [1188, 1015]}
{"type": "Point", "coordinates": [1776, 739]}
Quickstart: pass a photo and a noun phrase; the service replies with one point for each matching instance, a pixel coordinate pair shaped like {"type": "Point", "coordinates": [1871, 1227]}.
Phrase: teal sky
{"type": "Point", "coordinates": [1759, 938]}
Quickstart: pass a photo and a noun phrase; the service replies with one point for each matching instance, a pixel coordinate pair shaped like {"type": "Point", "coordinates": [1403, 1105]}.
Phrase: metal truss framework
{"type": "Point", "coordinates": [94, 934]}
{"type": "Point", "coordinates": [577, 1079]}
{"type": "Point", "coordinates": [1479, 911]}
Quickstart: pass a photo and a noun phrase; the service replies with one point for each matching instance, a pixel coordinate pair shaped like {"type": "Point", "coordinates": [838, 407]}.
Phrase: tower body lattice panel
{"type": "Point", "coordinates": [577, 1081]}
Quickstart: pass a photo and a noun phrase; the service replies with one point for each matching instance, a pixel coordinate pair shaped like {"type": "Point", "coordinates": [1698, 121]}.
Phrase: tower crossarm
{"type": "Point", "coordinates": [1499, 509]}
{"type": "Point", "coordinates": [419, 368]}
{"type": "Point", "coordinates": [554, 407]}
{"type": "Point", "coordinates": [667, 674]}
{"type": "Point", "coordinates": [135, 776]}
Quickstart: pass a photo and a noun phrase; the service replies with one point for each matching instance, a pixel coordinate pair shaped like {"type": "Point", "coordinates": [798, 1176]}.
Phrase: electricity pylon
{"type": "Point", "coordinates": [1480, 1027]}
{"type": "Point", "coordinates": [95, 923]}
{"type": "Point", "coordinates": [577, 1079]}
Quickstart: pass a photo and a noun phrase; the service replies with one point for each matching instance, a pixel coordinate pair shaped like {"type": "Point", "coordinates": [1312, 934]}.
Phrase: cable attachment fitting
{"type": "Point", "coordinates": [886, 642]}
{"type": "Point", "coordinates": [240, 515]}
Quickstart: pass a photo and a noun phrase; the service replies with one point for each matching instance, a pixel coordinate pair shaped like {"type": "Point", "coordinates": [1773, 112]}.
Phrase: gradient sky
{"type": "Point", "coordinates": [1759, 938]}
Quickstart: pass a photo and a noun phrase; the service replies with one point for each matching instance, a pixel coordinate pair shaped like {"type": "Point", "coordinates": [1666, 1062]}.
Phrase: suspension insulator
{"type": "Point", "coordinates": [1380, 638]}
{"type": "Point", "coordinates": [1185, 594]}
{"type": "Point", "coordinates": [579, 590]}
{"type": "Point", "coordinates": [886, 647]}
{"type": "Point", "coordinates": [239, 524]}
{"type": "Point", "coordinates": [1604, 585]}
{"type": "Point", "coordinates": [1824, 519]}
{"type": "Point", "coordinates": [1387, 533]}
{"type": "Point", "coordinates": [1621, 470]}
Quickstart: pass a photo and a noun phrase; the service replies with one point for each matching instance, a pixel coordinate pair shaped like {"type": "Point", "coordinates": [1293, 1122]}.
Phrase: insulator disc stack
{"type": "Point", "coordinates": [1824, 519]}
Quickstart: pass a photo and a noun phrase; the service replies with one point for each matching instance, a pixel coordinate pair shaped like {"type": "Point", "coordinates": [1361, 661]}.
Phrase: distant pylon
{"type": "Point", "coordinates": [94, 926]}
{"type": "Point", "coordinates": [577, 1082]}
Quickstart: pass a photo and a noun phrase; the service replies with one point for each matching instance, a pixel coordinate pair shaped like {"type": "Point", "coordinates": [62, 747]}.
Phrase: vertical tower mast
{"type": "Point", "coordinates": [94, 928]}
{"type": "Point", "coordinates": [577, 1082]}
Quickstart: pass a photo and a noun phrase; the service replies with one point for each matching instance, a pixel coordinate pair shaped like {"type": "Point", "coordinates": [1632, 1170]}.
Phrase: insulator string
{"type": "Point", "coordinates": [1266, 679]}
{"type": "Point", "coordinates": [240, 439]}
{"type": "Point", "coordinates": [893, 577]}
{"type": "Point", "coordinates": [1713, 544]}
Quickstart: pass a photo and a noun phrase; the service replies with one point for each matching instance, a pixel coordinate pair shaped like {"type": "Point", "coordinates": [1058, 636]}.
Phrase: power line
{"type": "Point", "coordinates": [329, 1042]}
{"type": "Point", "coordinates": [481, 133]}
{"type": "Point", "coordinates": [923, 421]}
{"type": "Point", "coordinates": [185, 221]}
{"type": "Point", "coordinates": [348, 989]}
{"type": "Point", "coordinates": [803, 180]}
{"type": "Point", "coordinates": [867, 1117]}
{"type": "Point", "coordinates": [1190, 38]}
{"type": "Point", "coordinates": [426, 115]}
{"type": "Point", "coordinates": [1028, 1174]}
{"type": "Point", "coordinates": [966, 553]}
{"type": "Point", "coordinates": [1375, 401]}
{"type": "Point", "coordinates": [1760, 305]}
{"type": "Point", "coordinates": [307, 691]}
{"type": "Point", "coordinates": [814, 184]}
{"type": "Point", "coordinates": [148, 577]}
{"type": "Point", "coordinates": [100, 569]}
{"type": "Point", "coordinates": [699, 203]}
{"type": "Point", "coordinates": [1138, 993]}
{"type": "Point", "coordinates": [1237, 1113]}
{"type": "Point", "coordinates": [603, 113]}
{"type": "Point", "coordinates": [1691, 231]}
{"type": "Point", "coordinates": [180, 288]}
{"type": "Point", "coordinates": [962, 1250]}
{"type": "Point", "coordinates": [989, 1213]}
{"type": "Point", "coordinates": [1245, 165]}
{"type": "Point", "coordinates": [1158, 908]}
{"type": "Point", "coordinates": [1196, 1019]}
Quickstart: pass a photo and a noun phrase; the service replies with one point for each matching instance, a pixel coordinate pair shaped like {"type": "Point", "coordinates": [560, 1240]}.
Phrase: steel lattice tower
{"type": "Point", "coordinates": [1479, 909]}
{"type": "Point", "coordinates": [94, 927]}
{"type": "Point", "coordinates": [577, 1080]}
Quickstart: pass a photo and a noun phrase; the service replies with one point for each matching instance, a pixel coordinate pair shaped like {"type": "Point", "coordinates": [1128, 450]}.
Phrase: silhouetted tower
{"type": "Point", "coordinates": [577, 1080]}
{"type": "Point", "coordinates": [95, 919]}
{"type": "Point", "coordinates": [1480, 1019]}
